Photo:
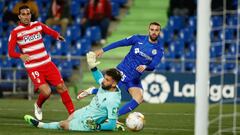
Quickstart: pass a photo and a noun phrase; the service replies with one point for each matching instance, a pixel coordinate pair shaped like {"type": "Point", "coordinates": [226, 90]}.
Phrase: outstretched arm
{"type": "Point", "coordinates": [92, 63]}
{"type": "Point", "coordinates": [97, 75]}
{"type": "Point", "coordinates": [124, 42]}
{"type": "Point", "coordinates": [52, 32]}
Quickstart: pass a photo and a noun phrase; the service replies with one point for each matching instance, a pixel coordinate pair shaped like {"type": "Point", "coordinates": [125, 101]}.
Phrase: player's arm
{"type": "Point", "coordinates": [155, 61]}
{"type": "Point", "coordinates": [112, 109]}
{"type": "Point", "coordinates": [84, 93]}
{"type": "Point", "coordinates": [97, 75]}
{"type": "Point", "coordinates": [124, 42]}
{"type": "Point", "coordinates": [109, 125]}
{"type": "Point", "coordinates": [12, 42]}
{"type": "Point", "coordinates": [52, 32]}
{"type": "Point", "coordinates": [92, 64]}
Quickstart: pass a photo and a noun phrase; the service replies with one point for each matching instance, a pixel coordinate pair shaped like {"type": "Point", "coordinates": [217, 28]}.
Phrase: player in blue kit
{"type": "Point", "coordinates": [145, 54]}
{"type": "Point", "coordinates": [104, 105]}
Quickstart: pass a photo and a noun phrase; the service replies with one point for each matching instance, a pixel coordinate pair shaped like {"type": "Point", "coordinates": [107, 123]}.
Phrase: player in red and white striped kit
{"type": "Point", "coordinates": [42, 71]}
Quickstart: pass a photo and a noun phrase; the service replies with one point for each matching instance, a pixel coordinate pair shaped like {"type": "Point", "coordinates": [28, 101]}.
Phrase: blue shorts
{"type": "Point", "coordinates": [130, 84]}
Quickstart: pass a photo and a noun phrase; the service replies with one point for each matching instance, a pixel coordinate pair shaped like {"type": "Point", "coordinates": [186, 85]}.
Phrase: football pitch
{"type": "Point", "coordinates": [161, 119]}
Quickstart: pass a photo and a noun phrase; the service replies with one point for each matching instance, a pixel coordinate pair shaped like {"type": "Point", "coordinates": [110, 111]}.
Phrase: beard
{"type": "Point", "coordinates": [106, 87]}
{"type": "Point", "coordinates": [153, 38]}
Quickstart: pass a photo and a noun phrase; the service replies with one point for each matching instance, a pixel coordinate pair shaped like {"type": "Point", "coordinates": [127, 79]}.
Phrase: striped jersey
{"type": "Point", "coordinates": [30, 41]}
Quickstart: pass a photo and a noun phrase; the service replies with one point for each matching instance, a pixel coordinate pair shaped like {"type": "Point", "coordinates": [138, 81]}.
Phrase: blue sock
{"type": "Point", "coordinates": [128, 107]}
{"type": "Point", "coordinates": [52, 125]}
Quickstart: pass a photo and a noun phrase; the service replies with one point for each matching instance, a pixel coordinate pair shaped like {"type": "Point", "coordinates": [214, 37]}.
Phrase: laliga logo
{"type": "Point", "coordinates": [155, 88]}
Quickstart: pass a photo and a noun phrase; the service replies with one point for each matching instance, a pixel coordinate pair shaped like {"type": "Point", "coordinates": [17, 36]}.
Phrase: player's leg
{"type": "Point", "coordinates": [57, 125]}
{"type": "Point", "coordinates": [45, 92]}
{"type": "Point", "coordinates": [135, 90]}
{"type": "Point", "coordinates": [55, 78]}
{"type": "Point", "coordinates": [37, 77]}
{"type": "Point", "coordinates": [137, 99]}
{"type": "Point", "coordinates": [66, 99]}
{"type": "Point", "coordinates": [34, 122]}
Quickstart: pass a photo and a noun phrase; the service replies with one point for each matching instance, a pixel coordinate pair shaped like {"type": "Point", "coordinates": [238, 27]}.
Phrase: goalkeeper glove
{"type": "Point", "coordinates": [85, 93]}
{"type": "Point", "coordinates": [91, 60]}
{"type": "Point", "coordinates": [92, 124]}
{"type": "Point", "coordinates": [119, 127]}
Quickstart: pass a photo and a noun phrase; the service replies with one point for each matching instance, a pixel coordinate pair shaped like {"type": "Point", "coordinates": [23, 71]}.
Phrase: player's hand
{"type": "Point", "coordinates": [119, 127]}
{"type": "Point", "coordinates": [84, 93]}
{"type": "Point", "coordinates": [91, 60]}
{"type": "Point", "coordinates": [61, 38]}
{"type": "Point", "coordinates": [141, 68]}
{"type": "Point", "coordinates": [99, 52]}
{"type": "Point", "coordinates": [25, 57]}
{"type": "Point", "coordinates": [92, 124]}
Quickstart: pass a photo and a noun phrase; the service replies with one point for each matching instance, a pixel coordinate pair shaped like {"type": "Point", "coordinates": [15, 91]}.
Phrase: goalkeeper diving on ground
{"type": "Point", "coordinates": [101, 113]}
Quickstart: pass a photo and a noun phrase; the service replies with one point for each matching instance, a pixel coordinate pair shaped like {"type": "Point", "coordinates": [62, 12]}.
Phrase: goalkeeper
{"type": "Point", "coordinates": [103, 106]}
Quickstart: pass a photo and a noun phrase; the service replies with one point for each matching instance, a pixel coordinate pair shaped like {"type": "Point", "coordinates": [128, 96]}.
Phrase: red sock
{"type": "Point", "coordinates": [41, 99]}
{"type": "Point", "coordinates": [67, 101]}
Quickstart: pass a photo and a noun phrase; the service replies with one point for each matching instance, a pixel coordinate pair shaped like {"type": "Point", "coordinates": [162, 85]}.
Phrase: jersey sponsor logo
{"type": "Point", "coordinates": [31, 38]}
{"type": "Point", "coordinates": [137, 51]}
{"type": "Point", "coordinates": [140, 43]}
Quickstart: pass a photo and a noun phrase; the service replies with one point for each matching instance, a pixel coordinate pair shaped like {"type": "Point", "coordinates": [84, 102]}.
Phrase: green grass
{"type": "Point", "coordinates": [161, 119]}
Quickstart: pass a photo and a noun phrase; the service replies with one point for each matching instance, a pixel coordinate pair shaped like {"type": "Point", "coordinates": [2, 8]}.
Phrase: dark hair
{"type": "Point", "coordinates": [22, 7]}
{"type": "Point", "coordinates": [114, 73]}
{"type": "Point", "coordinates": [155, 23]}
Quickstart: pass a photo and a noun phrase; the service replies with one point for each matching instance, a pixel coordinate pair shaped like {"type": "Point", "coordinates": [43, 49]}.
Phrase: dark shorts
{"type": "Point", "coordinates": [130, 84]}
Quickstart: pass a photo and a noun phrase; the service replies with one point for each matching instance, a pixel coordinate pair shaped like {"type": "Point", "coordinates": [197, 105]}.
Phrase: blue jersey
{"type": "Point", "coordinates": [142, 52]}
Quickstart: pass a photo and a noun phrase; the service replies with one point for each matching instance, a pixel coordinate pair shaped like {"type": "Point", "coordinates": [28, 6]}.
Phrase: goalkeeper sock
{"type": "Point", "coordinates": [128, 107]}
{"type": "Point", "coordinates": [67, 101]}
{"type": "Point", "coordinates": [41, 99]}
{"type": "Point", "coordinates": [51, 125]}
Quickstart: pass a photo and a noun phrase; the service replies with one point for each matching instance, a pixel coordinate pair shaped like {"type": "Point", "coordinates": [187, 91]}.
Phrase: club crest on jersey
{"type": "Point", "coordinates": [32, 37]}
{"type": "Point", "coordinates": [154, 51]}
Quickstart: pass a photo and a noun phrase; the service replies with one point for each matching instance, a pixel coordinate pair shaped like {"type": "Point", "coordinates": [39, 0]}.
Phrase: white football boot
{"type": "Point", "coordinates": [37, 112]}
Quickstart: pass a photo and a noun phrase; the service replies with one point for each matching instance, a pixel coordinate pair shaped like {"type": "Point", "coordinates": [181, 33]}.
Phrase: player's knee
{"type": "Point", "coordinates": [139, 99]}
{"type": "Point", "coordinates": [64, 125]}
{"type": "Point", "coordinates": [137, 95]}
{"type": "Point", "coordinates": [45, 90]}
{"type": "Point", "coordinates": [61, 87]}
